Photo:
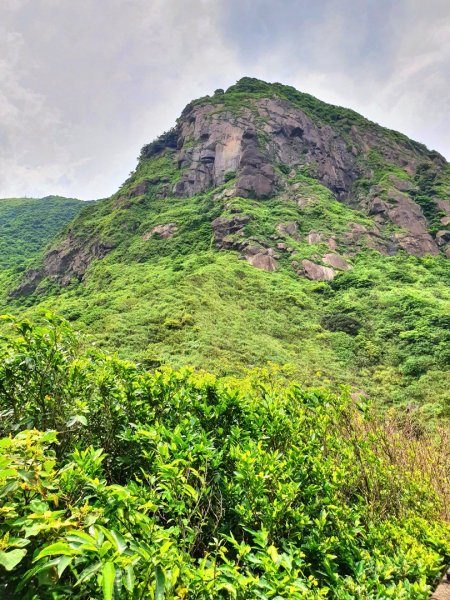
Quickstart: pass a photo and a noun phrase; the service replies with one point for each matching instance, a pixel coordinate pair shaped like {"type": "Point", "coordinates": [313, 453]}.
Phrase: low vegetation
{"type": "Point", "coordinates": [117, 482]}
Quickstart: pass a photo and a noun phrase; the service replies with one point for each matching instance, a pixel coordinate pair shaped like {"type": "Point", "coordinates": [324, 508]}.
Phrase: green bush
{"type": "Point", "coordinates": [338, 321]}
{"type": "Point", "coordinates": [229, 175]}
{"type": "Point", "coordinates": [180, 485]}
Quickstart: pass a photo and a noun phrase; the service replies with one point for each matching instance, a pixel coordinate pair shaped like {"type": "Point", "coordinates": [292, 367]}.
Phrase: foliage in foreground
{"type": "Point", "coordinates": [120, 483]}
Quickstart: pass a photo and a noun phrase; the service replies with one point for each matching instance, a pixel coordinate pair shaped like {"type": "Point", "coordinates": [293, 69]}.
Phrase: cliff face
{"type": "Point", "coordinates": [260, 141]}
{"type": "Point", "coordinates": [251, 143]}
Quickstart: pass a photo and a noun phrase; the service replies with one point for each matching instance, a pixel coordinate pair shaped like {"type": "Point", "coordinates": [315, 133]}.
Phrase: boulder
{"type": "Point", "coordinates": [336, 261]}
{"type": "Point", "coordinates": [263, 261]}
{"type": "Point", "coordinates": [402, 185]}
{"type": "Point", "coordinates": [444, 206]}
{"type": "Point", "coordinates": [317, 272]}
{"type": "Point", "coordinates": [331, 243]}
{"type": "Point", "coordinates": [140, 189]}
{"type": "Point", "coordinates": [289, 229]}
{"type": "Point", "coordinates": [442, 237]}
{"type": "Point", "coordinates": [417, 245]}
{"type": "Point", "coordinates": [162, 231]}
{"type": "Point", "coordinates": [314, 238]}
{"type": "Point", "coordinates": [225, 226]}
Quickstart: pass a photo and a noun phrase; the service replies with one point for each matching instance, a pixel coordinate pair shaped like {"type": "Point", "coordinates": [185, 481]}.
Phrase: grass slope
{"type": "Point", "coordinates": [382, 327]}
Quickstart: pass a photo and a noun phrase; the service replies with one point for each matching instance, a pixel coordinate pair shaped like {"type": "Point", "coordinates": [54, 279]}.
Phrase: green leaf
{"type": "Point", "coordinates": [49, 436]}
{"type": "Point", "coordinates": [116, 539]}
{"type": "Point", "coordinates": [10, 559]}
{"type": "Point", "coordinates": [63, 563]}
{"type": "Point", "coordinates": [109, 574]}
{"type": "Point", "coordinates": [57, 548]}
{"type": "Point", "coordinates": [129, 578]}
{"type": "Point", "coordinates": [77, 419]}
{"type": "Point", "coordinates": [9, 487]}
{"type": "Point", "coordinates": [88, 572]}
{"type": "Point", "coordinates": [80, 537]}
{"type": "Point", "coordinates": [160, 584]}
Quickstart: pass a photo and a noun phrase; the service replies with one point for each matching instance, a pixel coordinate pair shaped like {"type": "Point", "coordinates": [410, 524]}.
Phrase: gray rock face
{"type": "Point", "coordinates": [317, 272]}
{"type": "Point", "coordinates": [220, 142]}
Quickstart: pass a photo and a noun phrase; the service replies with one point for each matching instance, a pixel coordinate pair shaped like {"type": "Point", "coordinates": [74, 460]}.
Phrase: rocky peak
{"type": "Point", "coordinates": [261, 142]}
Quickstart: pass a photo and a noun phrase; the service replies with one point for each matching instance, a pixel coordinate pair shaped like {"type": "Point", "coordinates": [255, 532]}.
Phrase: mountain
{"type": "Point", "coordinates": [266, 229]}
{"type": "Point", "coordinates": [268, 226]}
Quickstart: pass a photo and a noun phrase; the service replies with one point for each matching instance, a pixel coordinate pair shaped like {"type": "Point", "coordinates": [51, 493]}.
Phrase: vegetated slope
{"type": "Point", "coordinates": [120, 483]}
{"type": "Point", "coordinates": [27, 225]}
{"type": "Point", "coordinates": [269, 226]}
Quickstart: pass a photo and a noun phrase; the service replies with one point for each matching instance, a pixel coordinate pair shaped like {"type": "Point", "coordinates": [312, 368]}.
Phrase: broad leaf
{"type": "Point", "coordinates": [11, 559]}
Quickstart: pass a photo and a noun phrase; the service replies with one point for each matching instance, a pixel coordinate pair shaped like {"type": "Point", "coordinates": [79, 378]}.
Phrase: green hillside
{"type": "Point", "coordinates": [201, 261]}
{"type": "Point", "coordinates": [27, 225]}
{"type": "Point", "coordinates": [231, 379]}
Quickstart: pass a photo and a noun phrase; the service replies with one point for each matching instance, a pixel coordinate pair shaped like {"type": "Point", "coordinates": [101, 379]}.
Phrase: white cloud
{"type": "Point", "coordinates": [83, 85]}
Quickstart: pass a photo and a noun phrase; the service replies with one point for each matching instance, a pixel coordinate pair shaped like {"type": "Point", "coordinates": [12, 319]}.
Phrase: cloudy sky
{"type": "Point", "coordinates": [84, 84]}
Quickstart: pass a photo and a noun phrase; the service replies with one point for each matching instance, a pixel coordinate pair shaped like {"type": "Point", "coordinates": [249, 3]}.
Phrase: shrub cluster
{"type": "Point", "coordinates": [120, 483]}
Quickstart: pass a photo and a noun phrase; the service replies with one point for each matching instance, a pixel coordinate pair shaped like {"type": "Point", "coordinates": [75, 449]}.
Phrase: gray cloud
{"type": "Point", "coordinates": [83, 85]}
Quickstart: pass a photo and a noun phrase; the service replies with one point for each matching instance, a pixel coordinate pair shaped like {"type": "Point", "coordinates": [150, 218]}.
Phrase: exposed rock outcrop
{"type": "Point", "coordinates": [280, 146]}
{"type": "Point", "coordinates": [70, 259]}
{"type": "Point", "coordinates": [443, 237]}
{"type": "Point", "coordinates": [317, 238]}
{"type": "Point", "coordinates": [261, 258]}
{"type": "Point", "coordinates": [401, 210]}
{"type": "Point", "coordinates": [224, 227]}
{"type": "Point", "coordinates": [221, 142]}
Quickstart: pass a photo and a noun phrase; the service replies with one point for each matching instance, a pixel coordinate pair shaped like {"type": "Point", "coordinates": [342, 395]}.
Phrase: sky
{"type": "Point", "coordinates": [85, 84]}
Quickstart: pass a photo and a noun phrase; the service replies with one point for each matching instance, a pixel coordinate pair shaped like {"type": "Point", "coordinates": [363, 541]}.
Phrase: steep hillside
{"type": "Point", "coordinates": [269, 226]}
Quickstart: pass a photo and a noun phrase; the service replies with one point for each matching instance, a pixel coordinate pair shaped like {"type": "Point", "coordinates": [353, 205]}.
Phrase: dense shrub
{"type": "Point", "coordinates": [340, 321]}
{"type": "Point", "coordinates": [121, 483]}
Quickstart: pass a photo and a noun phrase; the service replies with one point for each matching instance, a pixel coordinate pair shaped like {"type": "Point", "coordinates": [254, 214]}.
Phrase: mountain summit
{"type": "Point", "coordinates": [267, 225]}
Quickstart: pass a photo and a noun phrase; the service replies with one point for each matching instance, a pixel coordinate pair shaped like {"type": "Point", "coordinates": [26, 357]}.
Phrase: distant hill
{"type": "Point", "coordinates": [268, 226]}
{"type": "Point", "coordinates": [28, 224]}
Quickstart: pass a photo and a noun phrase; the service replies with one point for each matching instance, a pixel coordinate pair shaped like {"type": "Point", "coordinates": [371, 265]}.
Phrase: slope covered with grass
{"type": "Point", "coordinates": [381, 327]}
